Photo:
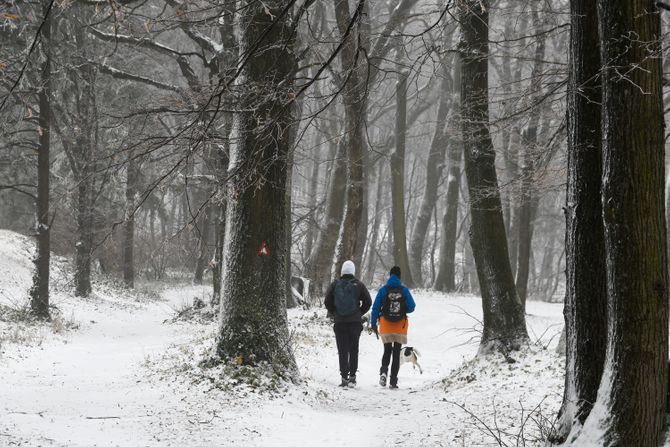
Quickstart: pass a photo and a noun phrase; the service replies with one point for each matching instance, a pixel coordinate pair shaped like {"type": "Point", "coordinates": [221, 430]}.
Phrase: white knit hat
{"type": "Point", "coordinates": [348, 268]}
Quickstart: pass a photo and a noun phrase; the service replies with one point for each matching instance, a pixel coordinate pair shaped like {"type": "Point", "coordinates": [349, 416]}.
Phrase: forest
{"type": "Point", "coordinates": [183, 183]}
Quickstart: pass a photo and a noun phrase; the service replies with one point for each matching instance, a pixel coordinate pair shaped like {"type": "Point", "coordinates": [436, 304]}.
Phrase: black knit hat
{"type": "Point", "coordinates": [395, 270]}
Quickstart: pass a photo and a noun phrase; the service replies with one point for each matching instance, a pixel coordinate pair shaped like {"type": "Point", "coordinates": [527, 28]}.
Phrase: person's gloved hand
{"type": "Point", "coordinates": [374, 329]}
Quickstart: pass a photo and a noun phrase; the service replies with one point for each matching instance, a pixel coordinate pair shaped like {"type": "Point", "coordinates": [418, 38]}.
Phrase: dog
{"type": "Point", "coordinates": [409, 354]}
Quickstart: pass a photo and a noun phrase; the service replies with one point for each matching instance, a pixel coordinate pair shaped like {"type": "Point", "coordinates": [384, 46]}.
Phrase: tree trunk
{"type": "Point", "coordinates": [504, 321]}
{"type": "Point", "coordinates": [129, 227]}
{"type": "Point", "coordinates": [398, 182]}
{"type": "Point", "coordinates": [39, 292]}
{"type": "Point", "coordinates": [254, 326]}
{"type": "Point", "coordinates": [219, 208]}
{"type": "Point", "coordinates": [296, 113]}
{"type": "Point", "coordinates": [372, 247]}
{"type": "Point", "coordinates": [354, 94]}
{"type": "Point", "coordinates": [446, 275]}
{"type": "Point", "coordinates": [434, 166]}
{"type": "Point", "coordinates": [585, 308]}
{"type": "Point", "coordinates": [202, 250]}
{"type": "Point", "coordinates": [84, 147]}
{"type": "Point", "coordinates": [528, 201]}
{"type": "Point", "coordinates": [320, 264]}
{"type": "Point", "coordinates": [83, 246]}
{"type": "Point", "coordinates": [219, 238]}
{"type": "Point", "coordinates": [311, 198]}
{"type": "Point", "coordinates": [631, 400]}
{"type": "Point", "coordinates": [221, 156]}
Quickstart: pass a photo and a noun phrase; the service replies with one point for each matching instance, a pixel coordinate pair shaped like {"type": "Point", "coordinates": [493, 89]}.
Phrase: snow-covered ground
{"type": "Point", "coordinates": [123, 372]}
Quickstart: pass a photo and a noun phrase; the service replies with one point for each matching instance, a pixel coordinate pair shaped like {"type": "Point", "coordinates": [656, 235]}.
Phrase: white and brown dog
{"type": "Point", "coordinates": [409, 354]}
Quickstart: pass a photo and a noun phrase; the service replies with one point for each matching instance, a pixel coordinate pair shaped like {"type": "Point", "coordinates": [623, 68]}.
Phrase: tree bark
{"type": "Point", "coordinates": [320, 264]}
{"type": "Point", "coordinates": [221, 160]}
{"type": "Point", "coordinates": [85, 146]}
{"type": "Point", "coordinates": [446, 275]}
{"type": "Point", "coordinates": [254, 325]}
{"type": "Point", "coordinates": [355, 106]}
{"type": "Point", "coordinates": [504, 321]}
{"type": "Point", "coordinates": [528, 200]}
{"type": "Point", "coordinates": [371, 264]}
{"type": "Point", "coordinates": [631, 399]}
{"type": "Point", "coordinates": [202, 250]}
{"type": "Point", "coordinates": [434, 166]}
{"type": "Point", "coordinates": [39, 292]}
{"type": "Point", "coordinates": [398, 182]}
{"type": "Point", "coordinates": [221, 156]}
{"type": "Point", "coordinates": [585, 308]}
{"type": "Point", "coordinates": [129, 227]}
{"type": "Point", "coordinates": [311, 198]}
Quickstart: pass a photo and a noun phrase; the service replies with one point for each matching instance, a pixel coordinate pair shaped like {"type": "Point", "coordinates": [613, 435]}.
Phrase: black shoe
{"type": "Point", "coordinates": [382, 379]}
{"type": "Point", "coordinates": [352, 381]}
{"type": "Point", "coordinates": [345, 382]}
{"type": "Point", "coordinates": [393, 386]}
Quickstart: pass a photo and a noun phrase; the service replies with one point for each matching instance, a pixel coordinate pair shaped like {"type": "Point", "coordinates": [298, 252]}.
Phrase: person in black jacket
{"type": "Point", "coordinates": [347, 300]}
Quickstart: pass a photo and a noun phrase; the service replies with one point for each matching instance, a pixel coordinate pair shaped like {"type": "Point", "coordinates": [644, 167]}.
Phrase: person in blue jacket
{"type": "Point", "coordinates": [391, 306]}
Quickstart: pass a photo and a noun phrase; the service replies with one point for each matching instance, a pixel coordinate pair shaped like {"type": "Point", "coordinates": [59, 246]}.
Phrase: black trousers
{"type": "Point", "coordinates": [386, 359]}
{"type": "Point", "coordinates": [347, 336]}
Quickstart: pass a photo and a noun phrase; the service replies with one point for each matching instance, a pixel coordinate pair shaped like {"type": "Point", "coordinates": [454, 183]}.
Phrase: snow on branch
{"type": "Point", "coordinates": [195, 35]}
{"type": "Point", "coordinates": [139, 42]}
{"type": "Point", "coordinates": [118, 74]}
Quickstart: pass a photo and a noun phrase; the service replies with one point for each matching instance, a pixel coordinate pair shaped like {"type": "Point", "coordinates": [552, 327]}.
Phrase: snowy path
{"type": "Point", "coordinates": [94, 387]}
{"type": "Point", "coordinates": [82, 390]}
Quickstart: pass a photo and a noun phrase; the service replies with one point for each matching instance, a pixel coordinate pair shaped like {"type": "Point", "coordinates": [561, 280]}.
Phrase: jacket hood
{"type": "Point", "coordinates": [394, 281]}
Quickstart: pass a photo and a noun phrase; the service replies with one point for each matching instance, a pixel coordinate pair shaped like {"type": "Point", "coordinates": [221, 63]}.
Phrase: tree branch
{"type": "Point", "coordinates": [17, 188]}
{"type": "Point", "coordinates": [141, 42]}
{"type": "Point", "coordinates": [118, 74]}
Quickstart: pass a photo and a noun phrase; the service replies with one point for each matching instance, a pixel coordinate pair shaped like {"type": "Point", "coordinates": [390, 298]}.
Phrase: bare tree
{"type": "Point", "coordinates": [586, 294]}
{"type": "Point", "coordinates": [254, 326]}
{"type": "Point", "coordinates": [504, 321]}
{"type": "Point", "coordinates": [400, 254]}
{"type": "Point", "coordinates": [39, 293]}
{"type": "Point", "coordinates": [635, 233]}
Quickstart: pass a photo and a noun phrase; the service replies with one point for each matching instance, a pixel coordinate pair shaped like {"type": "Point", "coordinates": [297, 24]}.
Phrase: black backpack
{"type": "Point", "coordinates": [394, 307]}
{"type": "Point", "coordinates": [346, 299]}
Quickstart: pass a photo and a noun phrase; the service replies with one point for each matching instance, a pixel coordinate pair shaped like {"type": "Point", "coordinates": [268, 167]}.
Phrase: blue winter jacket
{"type": "Point", "coordinates": [393, 281]}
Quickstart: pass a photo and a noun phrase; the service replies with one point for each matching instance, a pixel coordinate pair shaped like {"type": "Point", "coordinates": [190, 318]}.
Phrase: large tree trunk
{"type": "Point", "coordinates": [254, 325]}
{"type": "Point", "coordinates": [504, 321]}
{"type": "Point", "coordinates": [83, 149]}
{"type": "Point", "coordinates": [585, 308]}
{"type": "Point", "coordinates": [398, 182]}
{"type": "Point", "coordinates": [219, 209]}
{"type": "Point", "coordinates": [354, 94]}
{"type": "Point", "coordinates": [631, 400]}
{"type": "Point", "coordinates": [434, 166]}
{"type": "Point", "coordinates": [39, 293]}
{"type": "Point", "coordinates": [221, 155]}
